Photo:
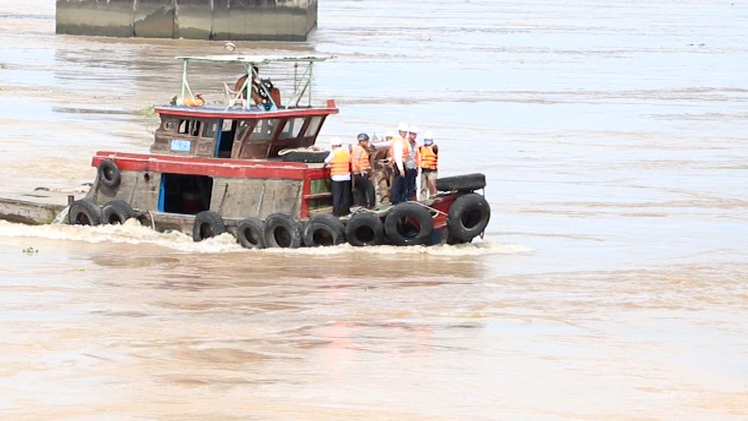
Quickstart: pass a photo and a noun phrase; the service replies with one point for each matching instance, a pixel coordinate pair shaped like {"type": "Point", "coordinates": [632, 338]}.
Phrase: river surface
{"type": "Point", "coordinates": [612, 283]}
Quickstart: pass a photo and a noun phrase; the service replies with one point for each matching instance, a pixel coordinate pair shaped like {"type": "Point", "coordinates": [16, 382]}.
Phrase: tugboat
{"type": "Point", "coordinates": [250, 168]}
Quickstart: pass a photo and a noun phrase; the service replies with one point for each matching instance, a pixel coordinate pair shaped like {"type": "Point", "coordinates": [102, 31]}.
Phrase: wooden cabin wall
{"type": "Point", "coordinates": [139, 191]}
{"type": "Point", "coordinates": [241, 198]}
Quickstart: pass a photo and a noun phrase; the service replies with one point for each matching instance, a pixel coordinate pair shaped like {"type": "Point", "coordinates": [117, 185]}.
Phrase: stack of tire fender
{"type": "Point", "coordinates": [408, 223]}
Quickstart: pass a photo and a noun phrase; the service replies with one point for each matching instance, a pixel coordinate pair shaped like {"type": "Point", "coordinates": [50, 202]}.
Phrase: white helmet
{"type": "Point", "coordinates": [336, 142]}
{"type": "Point", "coordinates": [428, 135]}
{"type": "Point", "coordinates": [413, 129]}
{"type": "Point", "coordinates": [403, 127]}
{"type": "Point", "coordinates": [388, 134]}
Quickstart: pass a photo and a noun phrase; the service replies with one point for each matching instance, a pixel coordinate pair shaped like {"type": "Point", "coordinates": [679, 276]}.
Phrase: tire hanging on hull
{"type": "Point", "coordinates": [84, 212]}
{"type": "Point", "coordinates": [324, 230]}
{"type": "Point", "coordinates": [116, 212]}
{"type": "Point", "coordinates": [109, 174]}
{"type": "Point", "coordinates": [468, 217]}
{"type": "Point", "coordinates": [249, 233]}
{"type": "Point", "coordinates": [408, 224]}
{"type": "Point", "coordinates": [207, 224]}
{"type": "Point", "coordinates": [365, 229]}
{"type": "Point", "coordinates": [282, 231]}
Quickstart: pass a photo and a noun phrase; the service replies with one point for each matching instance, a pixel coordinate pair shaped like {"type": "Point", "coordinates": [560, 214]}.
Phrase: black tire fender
{"type": "Point", "coordinates": [324, 230]}
{"type": "Point", "coordinates": [116, 212]}
{"type": "Point", "coordinates": [408, 224]}
{"type": "Point", "coordinates": [365, 229]}
{"type": "Point", "coordinates": [307, 157]}
{"type": "Point", "coordinates": [282, 231]}
{"type": "Point", "coordinates": [84, 212]}
{"type": "Point", "coordinates": [249, 233]}
{"type": "Point", "coordinates": [109, 174]}
{"type": "Point", "coordinates": [462, 183]}
{"type": "Point", "coordinates": [207, 224]}
{"type": "Point", "coordinates": [468, 217]}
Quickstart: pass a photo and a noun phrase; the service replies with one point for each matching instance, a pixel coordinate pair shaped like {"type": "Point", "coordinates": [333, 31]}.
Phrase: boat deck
{"type": "Point", "coordinates": [36, 207]}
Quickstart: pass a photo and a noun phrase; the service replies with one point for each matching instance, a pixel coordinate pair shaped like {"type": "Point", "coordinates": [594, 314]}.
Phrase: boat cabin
{"type": "Point", "coordinates": [254, 124]}
{"type": "Point", "coordinates": [186, 131]}
{"type": "Point", "coordinates": [224, 156]}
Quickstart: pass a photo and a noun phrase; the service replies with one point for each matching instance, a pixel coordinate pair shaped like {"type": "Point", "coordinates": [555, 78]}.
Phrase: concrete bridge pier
{"type": "Point", "coordinates": [276, 20]}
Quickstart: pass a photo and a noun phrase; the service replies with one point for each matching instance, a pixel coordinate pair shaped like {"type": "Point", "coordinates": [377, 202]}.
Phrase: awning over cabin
{"type": "Point", "coordinates": [256, 59]}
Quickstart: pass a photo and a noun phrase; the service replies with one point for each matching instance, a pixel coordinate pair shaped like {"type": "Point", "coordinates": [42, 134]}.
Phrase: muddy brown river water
{"type": "Point", "coordinates": [612, 283]}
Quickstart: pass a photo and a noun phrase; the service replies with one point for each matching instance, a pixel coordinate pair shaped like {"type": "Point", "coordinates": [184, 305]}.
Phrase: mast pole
{"type": "Point", "coordinates": [311, 66]}
{"type": "Point", "coordinates": [184, 78]}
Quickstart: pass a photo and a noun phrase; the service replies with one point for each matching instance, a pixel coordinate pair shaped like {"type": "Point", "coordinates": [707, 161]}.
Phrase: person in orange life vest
{"type": "Point", "coordinates": [429, 163]}
{"type": "Point", "coordinates": [361, 167]}
{"type": "Point", "coordinates": [339, 161]}
{"type": "Point", "coordinates": [411, 165]}
{"type": "Point", "coordinates": [198, 101]}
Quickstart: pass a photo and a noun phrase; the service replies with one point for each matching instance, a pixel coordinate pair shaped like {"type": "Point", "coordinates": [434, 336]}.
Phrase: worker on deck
{"type": "Point", "coordinates": [361, 167]}
{"type": "Point", "coordinates": [382, 167]}
{"type": "Point", "coordinates": [339, 161]}
{"type": "Point", "coordinates": [429, 163]}
{"type": "Point", "coordinates": [402, 130]}
{"type": "Point", "coordinates": [411, 165]}
{"type": "Point", "coordinates": [400, 155]}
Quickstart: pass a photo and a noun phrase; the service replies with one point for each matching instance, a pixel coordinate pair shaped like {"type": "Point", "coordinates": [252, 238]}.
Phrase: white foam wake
{"type": "Point", "coordinates": [132, 232]}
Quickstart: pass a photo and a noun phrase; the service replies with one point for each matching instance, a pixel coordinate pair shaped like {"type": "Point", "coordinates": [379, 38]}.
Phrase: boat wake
{"type": "Point", "coordinates": [132, 232]}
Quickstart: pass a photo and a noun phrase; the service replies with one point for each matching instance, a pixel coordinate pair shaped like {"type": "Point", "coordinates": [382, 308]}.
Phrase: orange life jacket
{"type": "Point", "coordinates": [429, 159]}
{"type": "Point", "coordinates": [197, 102]}
{"type": "Point", "coordinates": [341, 162]}
{"type": "Point", "coordinates": [405, 148]}
{"type": "Point", "coordinates": [361, 164]}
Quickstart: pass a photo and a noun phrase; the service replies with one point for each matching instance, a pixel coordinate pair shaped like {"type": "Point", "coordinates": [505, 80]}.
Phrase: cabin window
{"type": "Point", "coordinates": [313, 126]}
{"type": "Point", "coordinates": [292, 128]}
{"type": "Point", "coordinates": [210, 129]}
{"type": "Point", "coordinates": [242, 130]}
{"type": "Point", "coordinates": [184, 127]}
{"type": "Point", "coordinates": [169, 125]}
{"type": "Point", "coordinates": [195, 127]}
{"type": "Point", "coordinates": [264, 130]}
{"type": "Point", "coordinates": [190, 127]}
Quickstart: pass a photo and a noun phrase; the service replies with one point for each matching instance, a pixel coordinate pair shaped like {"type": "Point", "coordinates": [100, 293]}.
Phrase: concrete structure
{"type": "Point", "coordinates": [279, 20]}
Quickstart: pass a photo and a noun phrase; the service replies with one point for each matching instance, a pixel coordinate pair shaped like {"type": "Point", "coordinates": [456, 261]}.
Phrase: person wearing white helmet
{"type": "Point", "coordinates": [402, 130]}
{"type": "Point", "coordinates": [339, 162]}
{"type": "Point", "coordinates": [429, 163]}
{"type": "Point", "coordinates": [381, 167]}
{"type": "Point", "coordinates": [411, 165]}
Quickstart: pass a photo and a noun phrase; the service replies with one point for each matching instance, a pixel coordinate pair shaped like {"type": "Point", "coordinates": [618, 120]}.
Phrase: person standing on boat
{"type": "Point", "coordinates": [399, 152]}
{"type": "Point", "coordinates": [361, 167]}
{"type": "Point", "coordinates": [429, 163]}
{"type": "Point", "coordinates": [411, 165]}
{"type": "Point", "coordinates": [339, 161]}
{"type": "Point", "coordinates": [382, 167]}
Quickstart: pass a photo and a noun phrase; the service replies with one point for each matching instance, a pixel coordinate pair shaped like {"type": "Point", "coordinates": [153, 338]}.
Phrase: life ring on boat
{"type": "Point", "coordinates": [468, 217]}
{"type": "Point", "coordinates": [282, 231]}
{"type": "Point", "coordinates": [324, 230]}
{"type": "Point", "coordinates": [84, 212]}
{"type": "Point", "coordinates": [249, 233]}
{"type": "Point", "coordinates": [109, 174]}
{"type": "Point", "coordinates": [116, 212]}
{"type": "Point", "coordinates": [365, 229]}
{"type": "Point", "coordinates": [408, 224]}
{"type": "Point", "coordinates": [207, 224]}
